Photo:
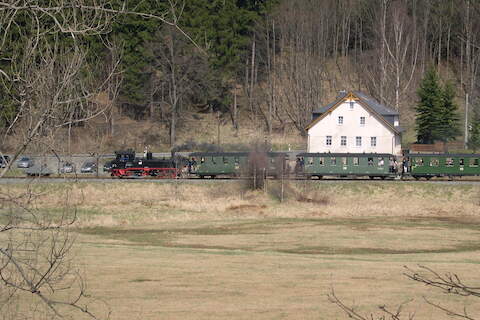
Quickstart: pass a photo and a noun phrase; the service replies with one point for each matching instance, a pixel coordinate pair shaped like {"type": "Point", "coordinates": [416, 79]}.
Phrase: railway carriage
{"type": "Point", "coordinates": [373, 165]}
{"type": "Point", "coordinates": [212, 164]}
{"type": "Point", "coordinates": [441, 165]}
{"type": "Point", "coordinates": [236, 164]}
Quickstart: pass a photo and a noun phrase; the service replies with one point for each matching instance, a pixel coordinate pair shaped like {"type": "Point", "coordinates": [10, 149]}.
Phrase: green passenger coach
{"type": "Point", "coordinates": [212, 164]}
{"type": "Point", "coordinates": [236, 164]}
{"type": "Point", "coordinates": [441, 165]}
{"type": "Point", "coordinates": [373, 165]}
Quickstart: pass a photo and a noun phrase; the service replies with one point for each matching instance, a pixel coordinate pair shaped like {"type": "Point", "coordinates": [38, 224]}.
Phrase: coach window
{"type": "Point", "coordinates": [237, 161]}
{"type": "Point", "coordinates": [321, 160]}
{"type": "Point", "coordinates": [333, 161]}
{"type": "Point", "coordinates": [473, 162]}
{"type": "Point", "coordinates": [434, 162]}
{"type": "Point", "coordinates": [225, 160]}
{"type": "Point", "coordinates": [419, 161]}
{"type": "Point", "coordinates": [370, 161]}
{"type": "Point", "coordinates": [381, 162]}
{"type": "Point", "coordinates": [213, 160]}
{"type": "Point", "coordinates": [355, 161]}
{"type": "Point", "coordinates": [449, 162]}
{"type": "Point", "coordinates": [344, 161]}
{"type": "Point", "coordinates": [202, 159]}
{"type": "Point", "coordinates": [310, 160]}
{"type": "Point", "coordinates": [461, 162]}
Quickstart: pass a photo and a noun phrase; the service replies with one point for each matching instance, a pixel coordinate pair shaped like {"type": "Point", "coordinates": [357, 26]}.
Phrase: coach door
{"type": "Point", "coordinates": [461, 164]}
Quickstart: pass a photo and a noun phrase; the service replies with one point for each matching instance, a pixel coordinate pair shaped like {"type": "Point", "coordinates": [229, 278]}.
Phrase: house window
{"type": "Point", "coordinates": [328, 141]}
{"type": "Point", "coordinates": [340, 120]}
{"type": "Point", "coordinates": [373, 141]}
{"type": "Point", "coordinates": [343, 141]}
{"type": "Point", "coordinates": [358, 141]}
{"type": "Point", "coordinates": [362, 121]}
{"type": "Point", "coordinates": [351, 105]}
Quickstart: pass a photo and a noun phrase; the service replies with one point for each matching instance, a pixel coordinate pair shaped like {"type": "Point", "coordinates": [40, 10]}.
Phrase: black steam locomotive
{"type": "Point", "coordinates": [127, 165]}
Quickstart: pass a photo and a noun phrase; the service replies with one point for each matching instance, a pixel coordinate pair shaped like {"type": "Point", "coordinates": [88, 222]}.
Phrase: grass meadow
{"type": "Point", "coordinates": [219, 251]}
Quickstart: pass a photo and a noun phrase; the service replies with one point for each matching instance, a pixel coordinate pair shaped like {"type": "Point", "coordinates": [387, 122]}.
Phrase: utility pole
{"type": "Point", "coordinates": [466, 120]}
{"type": "Point", "coordinates": [218, 128]}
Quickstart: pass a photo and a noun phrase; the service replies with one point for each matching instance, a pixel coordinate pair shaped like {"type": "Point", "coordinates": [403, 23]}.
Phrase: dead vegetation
{"type": "Point", "coordinates": [115, 203]}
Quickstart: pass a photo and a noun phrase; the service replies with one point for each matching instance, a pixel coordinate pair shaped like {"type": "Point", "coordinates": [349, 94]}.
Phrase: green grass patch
{"type": "Point", "coordinates": [264, 235]}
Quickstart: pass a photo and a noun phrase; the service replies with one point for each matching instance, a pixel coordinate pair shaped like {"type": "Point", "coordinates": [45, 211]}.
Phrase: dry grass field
{"type": "Point", "coordinates": [217, 251]}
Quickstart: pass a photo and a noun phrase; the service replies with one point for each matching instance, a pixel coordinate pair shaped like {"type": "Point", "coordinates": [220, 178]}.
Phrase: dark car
{"type": "Point", "coordinates": [25, 162]}
{"type": "Point", "coordinates": [4, 161]}
{"type": "Point", "coordinates": [66, 167]}
{"type": "Point", "coordinates": [89, 167]}
{"type": "Point", "coordinates": [107, 166]}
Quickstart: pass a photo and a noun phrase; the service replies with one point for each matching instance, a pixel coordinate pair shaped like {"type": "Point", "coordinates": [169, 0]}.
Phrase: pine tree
{"type": "Point", "coordinates": [429, 108]}
{"type": "Point", "coordinates": [448, 128]}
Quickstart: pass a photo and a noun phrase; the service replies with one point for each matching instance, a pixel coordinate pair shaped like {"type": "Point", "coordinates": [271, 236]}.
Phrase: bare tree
{"type": "Point", "coordinates": [449, 283]}
{"type": "Point", "coordinates": [46, 82]}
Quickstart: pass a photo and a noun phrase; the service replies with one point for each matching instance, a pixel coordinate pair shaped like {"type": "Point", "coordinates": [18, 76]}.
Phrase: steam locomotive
{"type": "Point", "coordinates": [126, 164]}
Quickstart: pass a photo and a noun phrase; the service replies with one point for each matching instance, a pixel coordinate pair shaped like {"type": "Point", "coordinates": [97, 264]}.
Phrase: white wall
{"type": "Point", "coordinates": [387, 140]}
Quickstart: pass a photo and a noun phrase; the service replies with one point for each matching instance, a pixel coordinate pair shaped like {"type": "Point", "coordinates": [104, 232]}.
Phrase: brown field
{"type": "Point", "coordinates": [216, 251]}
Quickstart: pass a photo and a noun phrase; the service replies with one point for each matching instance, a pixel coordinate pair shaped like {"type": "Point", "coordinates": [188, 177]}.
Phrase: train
{"type": "Point", "coordinates": [305, 165]}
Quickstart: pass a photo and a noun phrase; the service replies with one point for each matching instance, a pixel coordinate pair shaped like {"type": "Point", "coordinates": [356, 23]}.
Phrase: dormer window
{"type": "Point", "coordinates": [351, 105]}
{"type": "Point", "coordinates": [340, 120]}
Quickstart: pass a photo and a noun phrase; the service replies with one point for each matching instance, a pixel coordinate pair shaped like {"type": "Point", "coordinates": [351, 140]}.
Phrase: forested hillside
{"type": "Point", "coordinates": [225, 66]}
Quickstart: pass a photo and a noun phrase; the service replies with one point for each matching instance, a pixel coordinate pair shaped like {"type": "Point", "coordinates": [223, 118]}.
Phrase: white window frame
{"type": "Point", "coordinates": [340, 120]}
{"type": "Point", "coordinates": [373, 142]}
{"type": "Point", "coordinates": [328, 140]}
{"type": "Point", "coordinates": [362, 123]}
{"type": "Point", "coordinates": [343, 141]}
{"type": "Point", "coordinates": [358, 141]}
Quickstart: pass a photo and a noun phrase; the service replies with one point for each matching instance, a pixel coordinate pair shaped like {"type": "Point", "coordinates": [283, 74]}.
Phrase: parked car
{"type": "Point", "coordinates": [107, 166]}
{"type": "Point", "coordinates": [66, 167]}
{"type": "Point", "coordinates": [38, 170]}
{"type": "Point", "coordinates": [4, 161]}
{"type": "Point", "coordinates": [89, 167]}
{"type": "Point", "coordinates": [25, 162]}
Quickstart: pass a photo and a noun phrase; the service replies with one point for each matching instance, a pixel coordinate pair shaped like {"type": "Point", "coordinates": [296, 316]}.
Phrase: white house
{"type": "Point", "coordinates": [355, 123]}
